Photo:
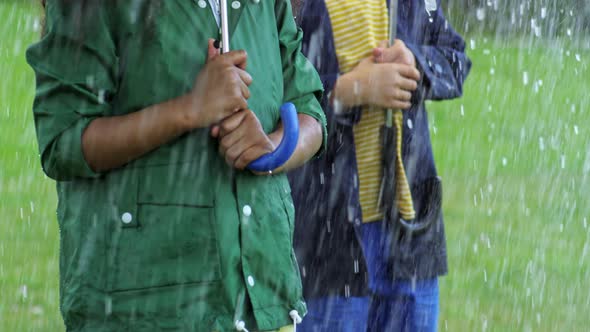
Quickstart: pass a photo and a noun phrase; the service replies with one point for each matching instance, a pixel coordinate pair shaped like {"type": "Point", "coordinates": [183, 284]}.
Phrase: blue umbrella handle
{"type": "Point", "coordinates": [283, 152]}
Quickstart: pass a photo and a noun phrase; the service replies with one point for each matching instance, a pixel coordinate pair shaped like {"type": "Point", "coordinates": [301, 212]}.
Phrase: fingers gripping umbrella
{"type": "Point", "coordinates": [283, 152]}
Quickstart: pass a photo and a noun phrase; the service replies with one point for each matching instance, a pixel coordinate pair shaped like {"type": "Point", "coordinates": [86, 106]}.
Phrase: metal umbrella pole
{"type": "Point", "coordinates": [392, 37]}
{"type": "Point", "coordinates": [387, 196]}
{"type": "Point", "coordinates": [224, 26]}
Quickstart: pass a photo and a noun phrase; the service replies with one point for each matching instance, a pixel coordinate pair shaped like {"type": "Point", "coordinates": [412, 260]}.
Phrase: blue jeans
{"type": "Point", "coordinates": [396, 305]}
{"type": "Point", "coordinates": [335, 314]}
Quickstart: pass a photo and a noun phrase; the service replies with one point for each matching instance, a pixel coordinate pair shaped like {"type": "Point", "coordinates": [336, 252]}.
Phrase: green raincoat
{"type": "Point", "coordinates": [175, 240]}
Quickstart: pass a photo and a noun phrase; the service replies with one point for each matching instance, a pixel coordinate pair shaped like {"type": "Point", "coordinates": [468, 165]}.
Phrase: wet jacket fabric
{"type": "Point", "coordinates": [327, 201]}
{"type": "Point", "coordinates": [175, 240]}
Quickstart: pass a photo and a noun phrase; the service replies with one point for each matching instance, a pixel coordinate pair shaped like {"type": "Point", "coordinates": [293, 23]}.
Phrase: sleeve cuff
{"type": "Point", "coordinates": [424, 67]}
{"type": "Point", "coordinates": [63, 159]}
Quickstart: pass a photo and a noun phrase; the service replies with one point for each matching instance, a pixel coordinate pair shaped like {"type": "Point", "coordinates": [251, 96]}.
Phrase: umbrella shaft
{"type": "Point", "coordinates": [392, 21]}
{"type": "Point", "coordinates": [224, 26]}
{"type": "Point", "coordinates": [392, 37]}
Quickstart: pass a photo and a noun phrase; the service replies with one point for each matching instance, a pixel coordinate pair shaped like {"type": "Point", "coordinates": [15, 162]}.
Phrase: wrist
{"type": "Point", "coordinates": [188, 111]}
{"type": "Point", "coordinates": [349, 89]}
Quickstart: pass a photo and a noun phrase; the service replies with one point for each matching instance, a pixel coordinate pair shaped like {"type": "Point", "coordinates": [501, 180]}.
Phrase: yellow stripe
{"type": "Point", "coordinates": [404, 196]}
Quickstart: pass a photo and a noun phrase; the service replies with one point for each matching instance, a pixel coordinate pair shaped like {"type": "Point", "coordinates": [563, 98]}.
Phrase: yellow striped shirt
{"type": "Point", "coordinates": [359, 26]}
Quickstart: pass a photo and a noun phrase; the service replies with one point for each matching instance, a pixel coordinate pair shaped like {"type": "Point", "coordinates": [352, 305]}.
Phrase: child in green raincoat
{"type": "Point", "coordinates": [147, 131]}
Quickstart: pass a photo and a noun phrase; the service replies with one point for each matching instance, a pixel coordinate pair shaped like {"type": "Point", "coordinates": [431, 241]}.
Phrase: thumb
{"type": "Point", "coordinates": [378, 54]}
{"type": "Point", "coordinates": [215, 131]}
{"type": "Point", "coordinates": [379, 51]}
{"type": "Point", "coordinates": [212, 51]}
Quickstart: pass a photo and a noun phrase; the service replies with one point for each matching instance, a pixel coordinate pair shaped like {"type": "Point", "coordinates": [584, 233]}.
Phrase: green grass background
{"type": "Point", "coordinates": [514, 157]}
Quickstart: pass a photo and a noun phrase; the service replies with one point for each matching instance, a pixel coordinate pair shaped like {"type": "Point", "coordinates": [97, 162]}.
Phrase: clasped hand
{"type": "Point", "coordinates": [385, 79]}
{"type": "Point", "coordinates": [221, 102]}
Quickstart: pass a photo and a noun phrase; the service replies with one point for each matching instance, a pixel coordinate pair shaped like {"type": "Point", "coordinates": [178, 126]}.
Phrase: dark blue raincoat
{"type": "Point", "coordinates": [327, 201]}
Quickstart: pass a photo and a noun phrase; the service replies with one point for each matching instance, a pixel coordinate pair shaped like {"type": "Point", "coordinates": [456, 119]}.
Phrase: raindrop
{"type": "Point", "coordinates": [480, 13]}
{"type": "Point", "coordinates": [535, 28]}
{"type": "Point", "coordinates": [410, 124]}
{"type": "Point", "coordinates": [101, 96]}
{"type": "Point", "coordinates": [569, 32]}
{"type": "Point", "coordinates": [108, 306]}
{"type": "Point", "coordinates": [525, 78]}
{"type": "Point", "coordinates": [430, 5]}
{"type": "Point", "coordinates": [36, 25]}
{"type": "Point", "coordinates": [492, 71]}
{"type": "Point", "coordinates": [537, 85]}
{"type": "Point", "coordinates": [462, 110]}
{"type": "Point", "coordinates": [562, 161]}
{"type": "Point", "coordinates": [472, 44]}
{"type": "Point", "coordinates": [576, 130]}
{"type": "Point", "coordinates": [578, 58]}
{"type": "Point", "coordinates": [504, 162]}
{"type": "Point", "coordinates": [17, 47]}
{"type": "Point", "coordinates": [37, 310]}
{"type": "Point", "coordinates": [541, 144]}
{"type": "Point", "coordinates": [543, 12]}
{"type": "Point", "coordinates": [356, 88]}
{"type": "Point", "coordinates": [23, 291]}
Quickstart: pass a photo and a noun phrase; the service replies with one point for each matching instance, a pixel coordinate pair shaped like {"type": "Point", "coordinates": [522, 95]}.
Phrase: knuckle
{"type": "Point", "coordinates": [225, 128]}
{"type": "Point", "coordinates": [230, 158]}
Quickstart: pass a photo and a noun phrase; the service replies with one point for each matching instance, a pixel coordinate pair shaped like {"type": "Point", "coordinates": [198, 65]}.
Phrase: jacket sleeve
{"type": "Point", "coordinates": [302, 85]}
{"type": "Point", "coordinates": [441, 59]}
{"type": "Point", "coordinates": [74, 65]}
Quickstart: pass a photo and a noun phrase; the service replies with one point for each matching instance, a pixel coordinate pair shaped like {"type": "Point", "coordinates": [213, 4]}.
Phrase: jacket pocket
{"type": "Point", "coordinates": [172, 241]}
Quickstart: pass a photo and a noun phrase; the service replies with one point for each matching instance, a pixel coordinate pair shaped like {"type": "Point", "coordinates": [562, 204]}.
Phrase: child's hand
{"type": "Point", "coordinates": [398, 53]}
{"type": "Point", "coordinates": [220, 90]}
{"type": "Point", "coordinates": [387, 85]}
{"type": "Point", "coordinates": [241, 139]}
